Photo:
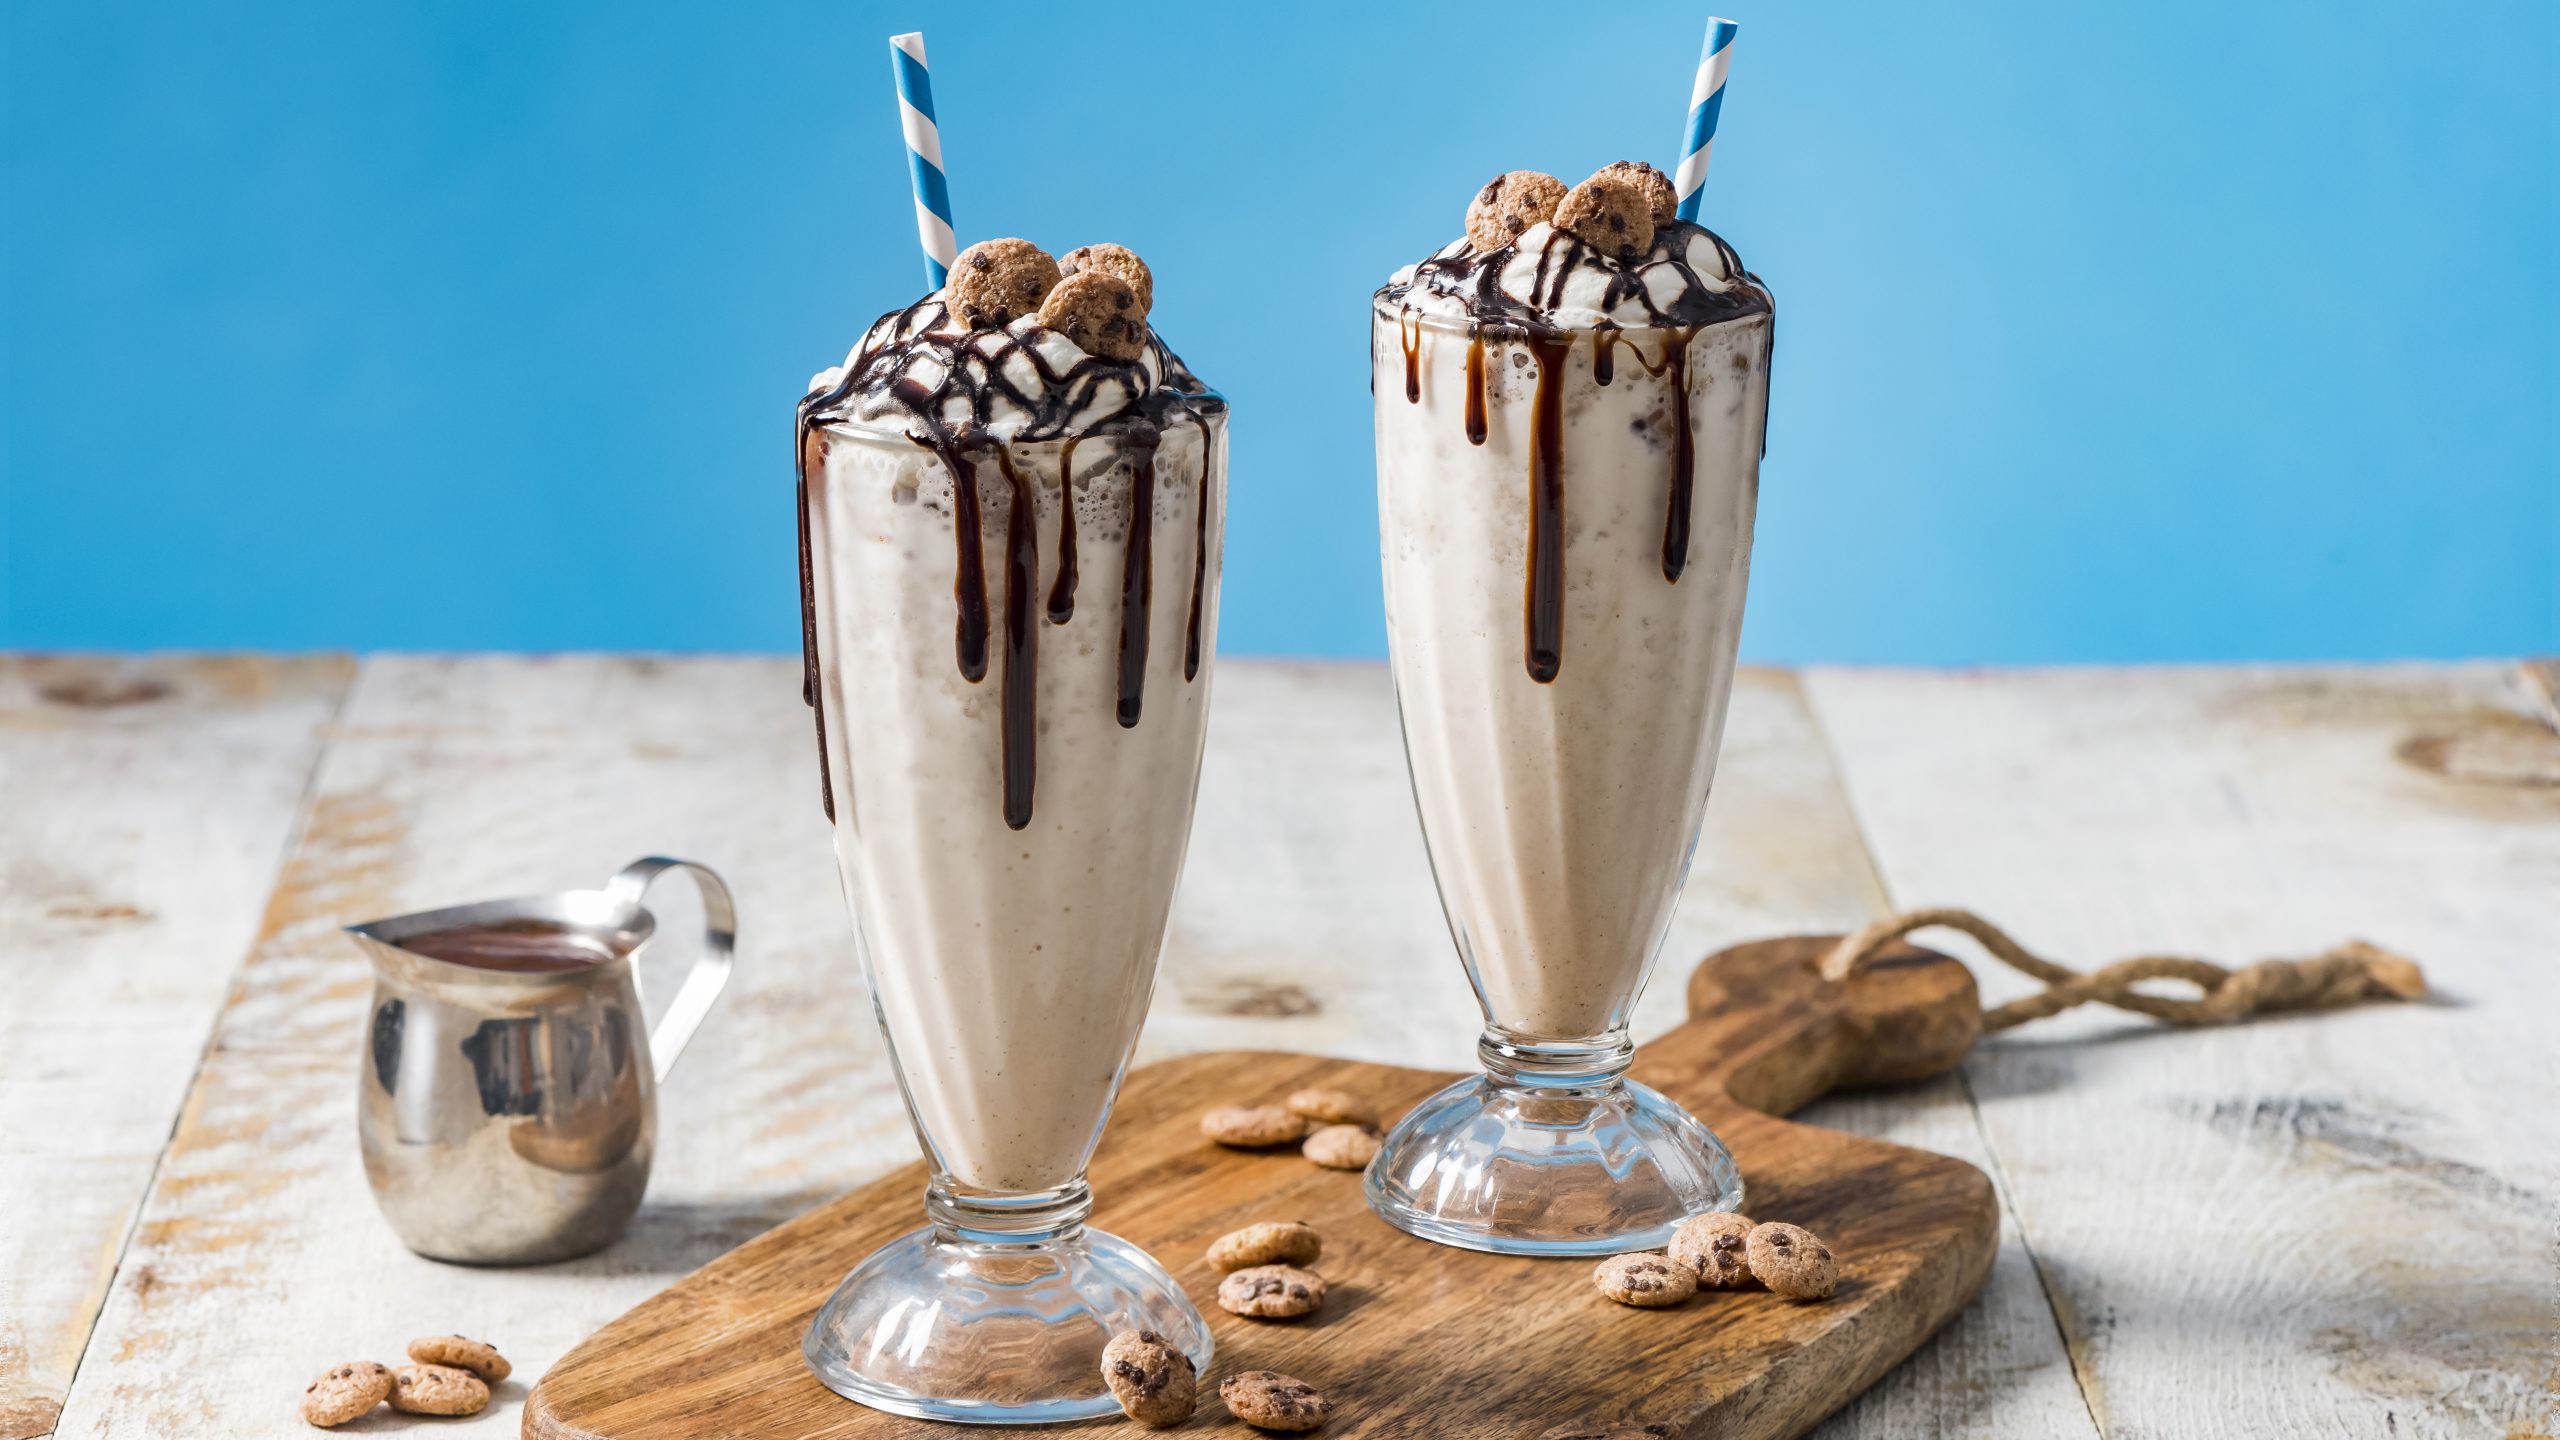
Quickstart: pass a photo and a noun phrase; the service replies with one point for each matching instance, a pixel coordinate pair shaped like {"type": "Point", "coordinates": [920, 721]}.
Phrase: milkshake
{"type": "Point", "coordinates": [1570, 409]}
{"type": "Point", "coordinates": [1011, 497]}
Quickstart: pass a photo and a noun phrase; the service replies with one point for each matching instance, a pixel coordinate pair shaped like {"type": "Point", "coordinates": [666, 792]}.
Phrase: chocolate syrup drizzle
{"type": "Point", "coordinates": [1473, 278]}
{"type": "Point", "coordinates": [1093, 398]}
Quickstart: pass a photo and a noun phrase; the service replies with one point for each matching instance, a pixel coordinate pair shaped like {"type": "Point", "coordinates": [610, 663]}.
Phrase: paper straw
{"type": "Point", "coordinates": [924, 155]}
{"type": "Point", "coordinates": [1705, 99]}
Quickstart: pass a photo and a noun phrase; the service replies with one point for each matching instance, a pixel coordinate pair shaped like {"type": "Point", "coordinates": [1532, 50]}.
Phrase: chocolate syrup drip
{"type": "Point", "coordinates": [968, 532]}
{"type": "Point", "coordinates": [1129, 404]}
{"type": "Point", "coordinates": [1137, 578]}
{"type": "Point", "coordinates": [1604, 349]}
{"type": "Point", "coordinates": [1062, 591]}
{"type": "Point", "coordinates": [1199, 555]}
{"type": "Point", "coordinates": [804, 464]}
{"type": "Point", "coordinates": [1684, 459]}
{"type": "Point", "coordinates": [809, 646]}
{"type": "Point", "coordinates": [1021, 644]}
{"type": "Point", "coordinates": [1409, 330]}
{"type": "Point", "coordinates": [1545, 598]}
{"type": "Point", "coordinates": [1768, 376]}
{"type": "Point", "coordinates": [1684, 447]}
{"type": "Point", "coordinates": [1475, 388]}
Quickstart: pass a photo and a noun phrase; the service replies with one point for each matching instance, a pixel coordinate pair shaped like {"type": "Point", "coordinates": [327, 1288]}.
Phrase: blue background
{"type": "Point", "coordinates": [2192, 329]}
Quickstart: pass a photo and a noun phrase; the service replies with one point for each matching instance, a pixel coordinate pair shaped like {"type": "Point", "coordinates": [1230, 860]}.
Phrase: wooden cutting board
{"type": "Point", "coordinates": [1419, 1339]}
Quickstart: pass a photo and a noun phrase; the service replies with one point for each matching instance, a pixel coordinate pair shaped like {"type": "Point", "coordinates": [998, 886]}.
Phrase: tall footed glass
{"type": "Point", "coordinates": [1009, 647]}
{"type": "Point", "coordinates": [1566, 521]}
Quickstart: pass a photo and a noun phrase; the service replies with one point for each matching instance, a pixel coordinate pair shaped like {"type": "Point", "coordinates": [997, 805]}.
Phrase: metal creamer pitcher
{"type": "Point", "coordinates": [508, 1102]}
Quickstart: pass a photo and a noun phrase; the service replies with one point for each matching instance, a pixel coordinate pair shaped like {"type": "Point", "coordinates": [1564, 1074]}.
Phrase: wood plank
{"type": "Point", "coordinates": [148, 805]}
{"type": "Point", "coordinates": [1306, 921]}
{"type": "Point", "coordinates": [2336, 1224]}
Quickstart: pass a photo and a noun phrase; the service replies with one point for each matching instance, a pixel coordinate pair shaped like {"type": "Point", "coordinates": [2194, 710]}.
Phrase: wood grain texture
{"type": "Point", "coordinates": [1417, 1339]}
{"type": "Point", "coordinates": [2334, 1224]}
{"type": "Point", "coordinates": [147, 803]}
{"type": "Point", "coordinates": [1306, 921]}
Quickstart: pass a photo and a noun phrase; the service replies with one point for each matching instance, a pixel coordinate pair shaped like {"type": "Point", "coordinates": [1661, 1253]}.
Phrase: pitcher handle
{"type": "Point", "coordinates": [702, 983]}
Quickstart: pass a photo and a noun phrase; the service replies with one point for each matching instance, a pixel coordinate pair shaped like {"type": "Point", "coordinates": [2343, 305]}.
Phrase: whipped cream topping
{"type": "Point", "coordinates": [1550, 278]}
{"type": "Point", "coordinates": [918, 367]}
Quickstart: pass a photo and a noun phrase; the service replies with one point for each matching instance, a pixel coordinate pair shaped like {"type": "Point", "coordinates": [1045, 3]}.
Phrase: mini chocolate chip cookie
{"type": "Point", "coordinates": [1327, 1106]}
{"type": "Point", "coordinates": [1271, 1292]}
{"type": "Point", "coordinates": [1253, 1127]}
{"type": "Point", "coordinates": [347, 1392]}
{"type": "Point", "coordinates": [1342, 1147]}
{"type": "Point", "coordinates": [1509, 204]}
{"type": "Point", "coordinates": [1610, 214]}
{"type": "Point", "coordinates": [477, 1356]}
{"type": "Point", "coordinates": [1660, 199]}
{"type": "Point", "coordinates": [1273, 1242]}
{"type": "Point", "coordinates": [1711, 1246]}
{"type": "Point", "coordinates": [1117, 260]}
{"type": "Point", "coordinates": [438, 1390]}
{"type": "Point", "coordinates": [1150, 1377]}
{"type": "Point", "coordinates": [1269, 1400]}
{"type": "Point", "coordinates": [996, 282]}
{"type": "Point", "coordinates": [1648, 1280]}
{"type": "Point", "coordinates": [1791, 1262]}
{"type": "Point", "coordinates": [1100, 313]}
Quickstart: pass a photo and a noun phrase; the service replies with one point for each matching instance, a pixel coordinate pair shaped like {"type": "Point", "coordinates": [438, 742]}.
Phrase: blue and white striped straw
{"type": "Point", "coordinates": [924, 156]}
{"type": "Point", "coordinates": [1705, 99]}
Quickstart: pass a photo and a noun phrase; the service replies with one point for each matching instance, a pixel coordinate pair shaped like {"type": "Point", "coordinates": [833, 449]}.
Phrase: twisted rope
{"type": "Point", "coordinates": [2345, 974]}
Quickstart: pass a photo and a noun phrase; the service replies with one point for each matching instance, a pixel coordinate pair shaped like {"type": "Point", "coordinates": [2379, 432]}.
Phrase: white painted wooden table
{"type": "Point", "coordinates": [2340, 1225]}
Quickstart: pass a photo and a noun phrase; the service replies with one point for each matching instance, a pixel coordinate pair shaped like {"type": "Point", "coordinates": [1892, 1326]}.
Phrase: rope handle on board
{"type": "Point", "coordinates": [2345, 974]}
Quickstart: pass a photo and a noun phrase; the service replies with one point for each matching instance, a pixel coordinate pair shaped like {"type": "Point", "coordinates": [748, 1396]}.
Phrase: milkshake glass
{"type": "Point", "coordinates": [1010, 562]}
{"type": "Point", "coordinates": [1568, 461]}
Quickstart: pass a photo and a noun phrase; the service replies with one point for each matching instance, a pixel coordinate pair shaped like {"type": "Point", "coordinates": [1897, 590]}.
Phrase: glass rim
{"type": "Point", "coordinates": [1381, 311]}
{"type": "Point", "coordinates": [869, 431]}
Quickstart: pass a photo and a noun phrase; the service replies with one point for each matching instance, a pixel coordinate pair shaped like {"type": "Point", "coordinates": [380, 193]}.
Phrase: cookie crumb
{"type": "Point", "coordinates": [1271, 1292]}
{"type": "Point", "coordinates": [1273, 1242]}
{"type": "Point", "coordinates": [1151, 1378]}
{"type": "Point", "coordinates": [1610, 214]}
{"type": "Point", "coordinates": [1791, 1262]}
{"type": "Point", "coordinates": [1509, 204]}
{"type": "Point", "coordinates": [1117, 260]}
{"type": "Point", "coordinates": [1328, 1106]}
{"type": "Point", "coordinates": [1269, 1400]}
{"type": "Point", "coordinates": [347, 1392]}
{"type": "Point", "coordinates": [1253, 1127]}
{"type": "Point", "coordinates": [437, 1390]}
{"type": "Point", "coordinates": [477, 1356]}
{"type": "Point", "coordinates": [1647, 1280]}
{"type": "Point", "coordinates": [996, 282]}
{"type": "Point", "coordinates": [1342, 1147]}
{"type": "Point", "coordinates": [1711, 1246]}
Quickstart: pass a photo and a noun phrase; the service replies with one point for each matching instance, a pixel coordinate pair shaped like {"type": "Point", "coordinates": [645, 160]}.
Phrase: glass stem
{"type": "Point", "coordinates": [1020, 1218]}
{"type": "Point", "coordinates": [1591, 1067]}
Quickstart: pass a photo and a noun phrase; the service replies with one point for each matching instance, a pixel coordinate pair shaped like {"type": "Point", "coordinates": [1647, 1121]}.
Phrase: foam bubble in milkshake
{"type": "Point", "coordinates": [1011, 501]}
{"type": "Point", "coordinates": [1570, 407]}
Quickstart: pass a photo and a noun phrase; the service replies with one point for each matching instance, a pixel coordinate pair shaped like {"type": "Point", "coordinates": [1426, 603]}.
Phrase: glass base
{"type": "Point", "coordinates": [995, 1324]}
{"type": "Point", "coordinates": [1551, 1152]}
